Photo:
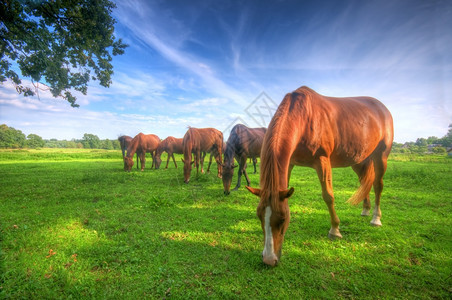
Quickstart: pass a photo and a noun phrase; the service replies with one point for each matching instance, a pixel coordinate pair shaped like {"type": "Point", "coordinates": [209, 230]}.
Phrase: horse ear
{"type": "Point", "coordinates": [286, 194]}
{"type": "Point", "coordinates": [256, 192]}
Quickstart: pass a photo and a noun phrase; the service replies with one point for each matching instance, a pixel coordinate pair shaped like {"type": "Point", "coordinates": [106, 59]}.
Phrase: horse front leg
{"type": "Point", "coordinates": [168, 159]}
{"type": "Point", "coordinates": [254, 164]}
{"type": "Point", "coordinates": [203, 155]}
{"type": "Point", "coordinates": [210, 162]}
{"type": "Point", "coordinates": [174, 160]}
{"type": "Point", "coordinates": [323, 168]}
{"type": "Point", "coordinates": [219, 165]}
{"type": "Point", "coordinates": [143, 160]}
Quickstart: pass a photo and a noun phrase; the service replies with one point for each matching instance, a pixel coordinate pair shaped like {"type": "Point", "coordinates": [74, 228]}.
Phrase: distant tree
{"type": "Point", "coordinates": [91, 141]}
{"type": "Point", "coordinates": [35, 141]}
{"type": "Point", "coordinates": [421, 142]}
{"type": "Point", "coordinates": [439, 150]}
{"type": "Point", "coordinates": [432, 140]}
{"type": "Point", "coordinates": [446, 141]}
{"type": "Point", "coordinates": [107, 144]}
{"type": "Point", "coordinates": [59, 44]}
{"type": "Point", "coordinates": [11, 138]}
{"type": "Point", "coordinates": [71, 144]}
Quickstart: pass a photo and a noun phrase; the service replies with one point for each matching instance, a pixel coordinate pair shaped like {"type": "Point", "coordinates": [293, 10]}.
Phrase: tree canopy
{"type": "Point", "coordinates": [60, 45]}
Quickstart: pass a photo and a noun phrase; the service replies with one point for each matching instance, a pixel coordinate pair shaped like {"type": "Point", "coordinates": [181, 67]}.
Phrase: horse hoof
{"type": "Point", "coordinates": [365, 212]}
{"type": "Point", "coordinates": [334, 234]}
{"type": "Point", "coordinates": [375, 222]}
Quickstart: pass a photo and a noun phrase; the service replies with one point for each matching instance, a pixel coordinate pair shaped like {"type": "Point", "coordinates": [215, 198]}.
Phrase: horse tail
{"type": "Point", "coordinates": [366, 179]}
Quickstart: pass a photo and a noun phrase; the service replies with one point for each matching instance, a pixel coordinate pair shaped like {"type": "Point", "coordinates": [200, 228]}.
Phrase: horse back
{"type": "Point", "coordinates": [348, 130]}
{"type": "Point", "coordinates": [246, 140]}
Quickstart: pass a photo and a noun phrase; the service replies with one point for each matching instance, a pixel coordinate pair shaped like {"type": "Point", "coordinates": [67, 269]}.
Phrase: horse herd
{"type": "Point", "coordinates": [243, 142]}
{"type": "Point", "coordinates": [308, 129]}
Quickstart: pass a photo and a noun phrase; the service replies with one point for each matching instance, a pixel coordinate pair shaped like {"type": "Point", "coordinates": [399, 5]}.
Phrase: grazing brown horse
{"type": "Point", "coordinates": [243, 142]}
{"type": "Point", "coordinates": [321, 132]}
{"type": "Point", "coordinates": [199, 141]}
{"type": "Point", "coordinates": [124, 142]}
{"type": "Point", "coordinates": [171, 145]}
{"type": "Point", "coordinates": [141, 144]}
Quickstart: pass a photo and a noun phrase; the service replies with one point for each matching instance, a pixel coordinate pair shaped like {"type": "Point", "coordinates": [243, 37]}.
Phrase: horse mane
{"type": "Point", "coordinates": [230, 148]}
{"type": "Point", "coordinates": [279, 136]}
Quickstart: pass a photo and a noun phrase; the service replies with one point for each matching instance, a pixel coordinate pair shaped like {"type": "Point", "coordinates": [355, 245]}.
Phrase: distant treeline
{"type": "Point", "coordinates": [14, 139]}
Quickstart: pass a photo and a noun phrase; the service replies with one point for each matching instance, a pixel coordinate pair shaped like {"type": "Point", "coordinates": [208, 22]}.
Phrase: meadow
{"type": "Point", "coordinates": [73, 224]}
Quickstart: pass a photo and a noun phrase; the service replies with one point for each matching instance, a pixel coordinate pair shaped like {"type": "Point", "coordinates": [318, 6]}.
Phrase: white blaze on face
{"type": "Point", "coordinates": [268, 248]}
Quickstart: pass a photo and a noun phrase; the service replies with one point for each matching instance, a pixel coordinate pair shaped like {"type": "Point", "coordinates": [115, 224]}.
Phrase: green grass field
{"type": "Point", "coordinates": [75, 225]}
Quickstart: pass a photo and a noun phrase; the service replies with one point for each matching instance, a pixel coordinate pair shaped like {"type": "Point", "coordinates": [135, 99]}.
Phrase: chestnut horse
{"type": "Point", "coordinates": [141, 144]}
{"type": "Point", "coordinates": [243, 142]}
{"type": "Point", "coordinates": [171, 145]}
{"type": "Point", "coordinates": [199, 141]}
{"type": "Point", "coordinates": [321, 132]}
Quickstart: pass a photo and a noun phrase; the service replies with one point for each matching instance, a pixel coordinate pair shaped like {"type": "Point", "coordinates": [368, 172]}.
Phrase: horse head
{"type": "Point", "coordinates": [187, 169]}
{"type": "Point", "coordinates": [227, 173]}
{"type": "Point", "coordinates": [275, 216]}
{"type": "Point", "coordinates": [128, 163]}
{"type": "Point", "coordinates": [157, 160]}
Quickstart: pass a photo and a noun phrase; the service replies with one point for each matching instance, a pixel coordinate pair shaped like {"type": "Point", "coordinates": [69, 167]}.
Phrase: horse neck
{"type": "Point", "coordinates": [229, 154]}
{"type": "Point", "coordinates": [132, 148]}
{"type": "Point", "coordinates": [163, 146]}
{"type": "Point", "coordinates": [279, 144]}
{"type": "Point", "coordinates": [187, 145]}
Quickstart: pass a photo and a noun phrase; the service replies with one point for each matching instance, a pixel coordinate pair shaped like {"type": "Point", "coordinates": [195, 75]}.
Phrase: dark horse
{"type": "Point", "coordinates": [141, 144]}
{"type": "Point", "coordinates": [171, 145]}
{"type": "Point", "coordinates": [124, 141]}
{"type": "Point", "coordinates": [243, 142]}
{"type": "Point", "coordinates": [321, 132]}
{"type": "Point", "coordinates": [199, 141]}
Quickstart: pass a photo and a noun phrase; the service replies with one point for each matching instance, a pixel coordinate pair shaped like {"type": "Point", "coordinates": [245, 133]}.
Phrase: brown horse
{"type": "Point", "coordinates": [321, 132]}
{"type": "Point", "coordinates": [141, 144]}
{"type": "Point", "coordinates": [171, 145]}
{"type": "Point", "coordinates": [243, 142]}
{"type": "Point", "coordinates": [199, 141]}
{"type": "Point", "coordinates": [124, 141]}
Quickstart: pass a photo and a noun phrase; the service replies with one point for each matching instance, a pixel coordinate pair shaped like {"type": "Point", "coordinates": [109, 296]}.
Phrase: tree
{"type": "Point", "coordinates": [446, 141]}
{"type": "Point", "coordinates": [35, 141]}
{"type": "Point", "coordinates": [11, 138]}
{"type": "Point", "coordinates": [90, 141]}
{"type": "Point", "coordinates": [61, 44]}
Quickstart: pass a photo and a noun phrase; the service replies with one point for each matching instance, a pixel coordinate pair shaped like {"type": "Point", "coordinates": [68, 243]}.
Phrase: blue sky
{"type": "Point", "coordinates": [216, 63]}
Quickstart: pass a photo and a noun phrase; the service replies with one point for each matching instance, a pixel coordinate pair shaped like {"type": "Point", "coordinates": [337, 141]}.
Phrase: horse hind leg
{"type": "Point", "coordinates": [380, 169]}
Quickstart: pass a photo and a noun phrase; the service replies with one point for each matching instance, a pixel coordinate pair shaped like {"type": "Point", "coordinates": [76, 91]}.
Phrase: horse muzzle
{"type": "Point", "coordinates": [270, 260]}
